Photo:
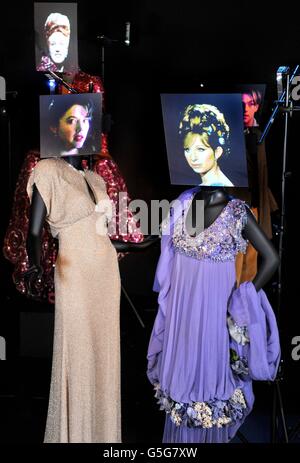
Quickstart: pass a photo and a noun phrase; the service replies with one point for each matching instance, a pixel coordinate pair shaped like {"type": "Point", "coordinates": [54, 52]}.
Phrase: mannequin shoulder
{"type": "Point", "coordinates": [241, 210]}
{"type": "Point", "coordinates": [98, 179]}
{"type": "Point", "coordinates": [238, 203]}
{"type": "Point", "coordinates": [187, 194]}
{"type": "Point", "coordinates": [47, 166]}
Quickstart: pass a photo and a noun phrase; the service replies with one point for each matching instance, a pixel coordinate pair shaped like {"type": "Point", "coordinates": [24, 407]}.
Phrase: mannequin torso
{"type": "Point", "coordinates": [215, 199]}
{"type": "Point", "coordinates": [37, 218]}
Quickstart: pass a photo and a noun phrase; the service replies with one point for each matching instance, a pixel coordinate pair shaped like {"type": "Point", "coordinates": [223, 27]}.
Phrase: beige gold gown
{"type": "Point", "coordinates": [84, 402]}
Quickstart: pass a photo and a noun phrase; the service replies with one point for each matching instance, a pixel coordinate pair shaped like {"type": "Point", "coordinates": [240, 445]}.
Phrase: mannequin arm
{"type": "Point", "coordinates": [269, 256]}
{"type": "Point", "coordinates": [37, 217]}
{"type": "Point", "coordinates": [36, 222]}
{"type": "Point", "coordinates": [128, 246]}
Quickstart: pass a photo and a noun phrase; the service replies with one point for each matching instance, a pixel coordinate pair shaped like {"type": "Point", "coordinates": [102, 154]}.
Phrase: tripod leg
{"type": "Point", "coordinates": [132, 306]}
{"type": "Point", "coordinates": [242, 437]}
{"type": "Point", "coordinates": [274, 416]}
{"type": "Point", "coordinates": [294, 432]}
{"type": "Point", "coordinates": [286, 437]}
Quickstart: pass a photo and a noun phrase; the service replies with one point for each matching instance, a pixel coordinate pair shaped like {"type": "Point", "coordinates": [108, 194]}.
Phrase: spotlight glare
{"type": "Point", "coordinates": [51, 84]}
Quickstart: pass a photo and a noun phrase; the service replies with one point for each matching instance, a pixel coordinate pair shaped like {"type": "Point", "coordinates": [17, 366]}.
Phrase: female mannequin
{"type": "Point", "coordinates": [102, 164]}
{"type": "Point", "coordinates": [84, 404]}
{"type": "Point", "coordinates": [210, 338]}
{"type": "Point", "coordinates": [215, 199]}
{"type": "Point", "coordinates": [34, 237]}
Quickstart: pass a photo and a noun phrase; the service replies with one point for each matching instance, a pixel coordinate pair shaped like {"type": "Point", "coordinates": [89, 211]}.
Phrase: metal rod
{"type": "Point", "coordinates": [132, 306]}
{"type": "Point", "coordinates": [275, 111]}
{"type": "Point", "coordinates": [286, 437]}
{"type": "Point", "coordinates": [62, 81]}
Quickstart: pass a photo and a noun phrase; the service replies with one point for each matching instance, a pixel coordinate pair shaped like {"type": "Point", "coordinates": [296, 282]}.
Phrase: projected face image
{"type": "Point", "coordinates": [199, 154]}
{"type": "Point", "coordinates": [70, 124]}
{"type": "Point", "coordinates": [55, 43]}
{"type": "Point", "coordinates": [205, 135]}
{"type": "Point", "coordinates": [73, 127]}
{"type": "Point", "coordinates": [58, 45]}
{"type": "Point", "coordinates": [251, 104]}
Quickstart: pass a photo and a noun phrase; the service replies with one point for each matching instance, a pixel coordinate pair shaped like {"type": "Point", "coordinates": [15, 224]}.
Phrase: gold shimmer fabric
{"type": "Point", "coordinates": [84, 402]}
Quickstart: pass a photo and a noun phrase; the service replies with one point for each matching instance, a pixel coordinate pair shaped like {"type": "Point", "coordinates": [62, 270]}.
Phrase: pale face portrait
{"type": "Point", "coordinates": [200, 156]}
{"type": "Point", "coordinates": [58, 45]}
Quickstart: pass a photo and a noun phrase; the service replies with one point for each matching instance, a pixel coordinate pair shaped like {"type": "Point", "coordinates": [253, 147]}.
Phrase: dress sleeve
{"type": "Point", "coordinates": [254, 334]}
{"type": "Point", "coordinates": [238, 225]}
{"type": "Point", "coordinates": [162, 280]}
{"type": "Point", "coordinates": [15, 238]}
{"type": "Point", "coordinates": [42, 177]}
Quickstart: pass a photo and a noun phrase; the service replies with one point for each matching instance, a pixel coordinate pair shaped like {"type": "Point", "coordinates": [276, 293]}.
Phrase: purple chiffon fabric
{"type": "Point", "coordinates": [189, 357]}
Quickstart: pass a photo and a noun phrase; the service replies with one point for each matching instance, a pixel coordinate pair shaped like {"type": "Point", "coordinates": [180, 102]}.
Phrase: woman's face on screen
{"type": "Point", "coordinates": [199, 155]}
{"type": "Point", "coordinates": [74, 126]}
{"type": "Point", "coordinates": [58, 45]}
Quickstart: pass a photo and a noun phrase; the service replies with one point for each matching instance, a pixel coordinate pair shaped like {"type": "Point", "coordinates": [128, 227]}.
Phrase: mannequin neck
{"type": "Point", "coordinates": [75, 161]}
{"type": "Point", "coordinates": [212, 195]}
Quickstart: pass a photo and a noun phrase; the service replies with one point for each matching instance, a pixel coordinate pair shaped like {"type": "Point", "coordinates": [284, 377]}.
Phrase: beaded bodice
{"type": "Point", "coordinates": [221, 241]}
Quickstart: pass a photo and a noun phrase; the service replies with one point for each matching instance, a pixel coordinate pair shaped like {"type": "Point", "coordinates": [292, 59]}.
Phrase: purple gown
{"type": "Point", "coordinates": [205, 347]}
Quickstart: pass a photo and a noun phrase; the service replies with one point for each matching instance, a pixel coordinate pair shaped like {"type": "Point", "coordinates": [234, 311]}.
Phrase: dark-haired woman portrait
{"type": "Point", "coordinates": [68, 128]}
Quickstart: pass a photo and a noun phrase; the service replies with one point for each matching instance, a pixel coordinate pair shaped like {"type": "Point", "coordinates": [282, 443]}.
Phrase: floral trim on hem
{"type": "Point", "coordinates": [238, 333]}
{"type": "Point", "coordinates": [238, 364]}
{"type": "Point", "coordinates": [203, 414]}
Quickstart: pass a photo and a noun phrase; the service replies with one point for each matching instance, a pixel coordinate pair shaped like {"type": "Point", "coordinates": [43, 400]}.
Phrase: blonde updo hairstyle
{"type": "Point", "coordinates": [208, 122]}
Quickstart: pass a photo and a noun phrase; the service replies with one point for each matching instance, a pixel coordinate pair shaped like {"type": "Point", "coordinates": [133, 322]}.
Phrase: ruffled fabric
{"type": "Point", "coordinates": [251, 309]}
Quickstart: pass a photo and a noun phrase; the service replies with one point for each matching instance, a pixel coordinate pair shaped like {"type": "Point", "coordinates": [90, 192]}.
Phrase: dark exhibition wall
{"type": "Point", "coordinates": [182, 47]}
{"type": "Point", "coordinates": [172, 49]}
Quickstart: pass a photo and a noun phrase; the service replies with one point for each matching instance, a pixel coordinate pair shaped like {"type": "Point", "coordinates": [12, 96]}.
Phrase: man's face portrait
{"type": "Point", "coordinates": [251, 106]}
